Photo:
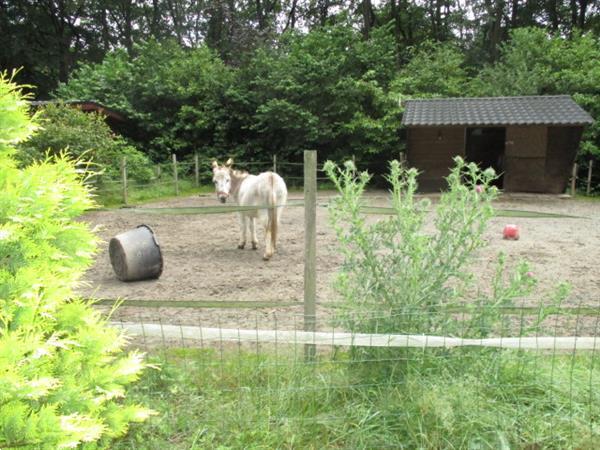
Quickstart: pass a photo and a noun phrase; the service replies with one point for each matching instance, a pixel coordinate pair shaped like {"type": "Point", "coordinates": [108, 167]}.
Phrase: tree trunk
{"type": "Point", "coordinates": [514, 13]}
{"type": "Point", "coordinates": [553, 15]}
{"type": "Point", "coordinates": [175, 17]}
{"type": "Point", "coordinates": [496, 29]}
{"type": "Point", "coordinates": [260, 18]}
{"type": "Point", "coordinates": [105, 29]}
{"type": "Point", "coordinates": [438, 20]}
{"type": "Point", "coordinates": [583, 4]}
{"type": "Point", "coordinates": [368, 18]}
{"type": "Point", "coordinates": [323, 11]}
{"type": "Point", "coordinates": [573, 4]}
{"type": "Point", "coordinates": [154, 28]}
{"type": "Point", "coordinates": [395, 11]}
{"type": "Point", "coordinates": [291, 20]}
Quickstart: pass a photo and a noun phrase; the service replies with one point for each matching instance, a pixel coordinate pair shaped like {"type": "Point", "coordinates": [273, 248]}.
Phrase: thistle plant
{"type": "Point", "coordinates": [63, 372]}
{"type": "Point", "coordinates": [403, 274]}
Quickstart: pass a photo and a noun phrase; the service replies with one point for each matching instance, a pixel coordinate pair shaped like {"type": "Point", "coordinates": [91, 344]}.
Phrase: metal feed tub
{"type": "Point", "coordinates": [135, 254]}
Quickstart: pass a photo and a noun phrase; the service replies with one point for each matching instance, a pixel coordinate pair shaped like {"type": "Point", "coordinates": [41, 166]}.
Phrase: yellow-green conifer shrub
{"type": "Point", "coordinates": [63, 371]}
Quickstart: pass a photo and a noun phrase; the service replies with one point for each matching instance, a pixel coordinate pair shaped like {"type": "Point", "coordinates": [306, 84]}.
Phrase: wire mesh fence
{"type": "Point", "coordinates": [466, 376]}
{"type": "Point", "coordinates": [176, 177]}
{"type": "Point", "coordinates": [444, 378]}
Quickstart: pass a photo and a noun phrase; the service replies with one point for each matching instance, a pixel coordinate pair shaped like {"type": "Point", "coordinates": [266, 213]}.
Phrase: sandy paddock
{"type": "Point", "coordinates": [202, 262]}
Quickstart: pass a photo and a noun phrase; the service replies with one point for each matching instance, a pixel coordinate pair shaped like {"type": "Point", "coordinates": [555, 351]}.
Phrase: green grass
{"type": "Point", "coordinates": [447, 399]}
{"type": "Point", "coordinates": [111, 198]}
{"type": "Point", "coordinates": [595, 197]}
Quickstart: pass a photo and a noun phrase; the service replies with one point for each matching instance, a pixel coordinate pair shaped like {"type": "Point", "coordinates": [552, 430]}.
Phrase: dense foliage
{"type": "Point", "coordinates": [329, 90]}
{"type": "Point", "coordinates": [252, 79]}
{"type": "Point", "coordinates": [62, 370]}
{"type": "Point", "coordinates": [175, 97]}
{"type": "Point", "coordinates": [50, 38]}
{"type": "Point", "coordinates": [87, 137]}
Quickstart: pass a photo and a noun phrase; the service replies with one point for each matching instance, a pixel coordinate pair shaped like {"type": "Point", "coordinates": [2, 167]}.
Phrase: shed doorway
{"type": "Point", "coordinates": [485, 146]}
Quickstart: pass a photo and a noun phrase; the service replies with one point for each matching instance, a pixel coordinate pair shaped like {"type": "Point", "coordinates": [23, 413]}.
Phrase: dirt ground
{"type": "Point", "coordinates": [202, 262]}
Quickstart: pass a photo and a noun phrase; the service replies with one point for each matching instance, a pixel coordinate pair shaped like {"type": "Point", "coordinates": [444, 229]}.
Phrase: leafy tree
{"type": "Point", "coordinates": [50, 38]}
{"type": "Point", "coordinates": [327, 90]}
{"type": "Point", "coordinates": [174, 95]}
{"type": "Point", "coordinates": [534, 63]}
{"type": "Point", "coordinates": [525, 66]}
{"type": "Point", "coordinates": [422, 75]}
{"type": "Point", "coordinates": [87, 137]}
{"type": "Point", "coordinates": [62, 370]}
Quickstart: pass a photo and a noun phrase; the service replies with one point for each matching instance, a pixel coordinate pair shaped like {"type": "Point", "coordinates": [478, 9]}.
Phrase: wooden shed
{"type": "Point", "coordinates": [531, 141]}
{"type": "Point", "coordinates": [114, 119]}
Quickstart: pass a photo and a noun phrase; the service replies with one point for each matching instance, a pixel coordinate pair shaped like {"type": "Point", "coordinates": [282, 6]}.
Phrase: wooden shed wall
{"type": "Point", "coordinates": [431, 149]}
{"type": "Point", "coordinates": [562, 149]}
{"type": "Point", "coordinates": [525, 158]}
{"type": "Point", "coordinates": [537, 158]}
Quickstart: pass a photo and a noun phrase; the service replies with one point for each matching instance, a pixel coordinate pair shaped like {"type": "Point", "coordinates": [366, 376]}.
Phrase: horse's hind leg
{"type": "Point", "coordinates": [253, 233]}
{"type": "Point", "coordinates": [268, 241]}
{"type": "Point", "coordinates": [242, 242]}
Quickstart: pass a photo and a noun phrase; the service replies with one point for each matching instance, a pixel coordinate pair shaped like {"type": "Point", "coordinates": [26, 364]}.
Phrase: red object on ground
{"type": "Point", "coordinates": [511, 232]}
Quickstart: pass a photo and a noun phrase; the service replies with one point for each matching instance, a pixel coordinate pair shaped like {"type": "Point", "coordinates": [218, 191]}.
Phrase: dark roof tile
{"type": "Point", "coordinates": [530, 110]}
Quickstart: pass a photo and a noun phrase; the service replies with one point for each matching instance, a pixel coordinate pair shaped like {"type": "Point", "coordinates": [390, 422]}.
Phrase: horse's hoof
{"type": "Point", "coordinates": [241, 246]}
{"type": "Point", "coordinates": [254, 246]}
{"type": "Point", "coordinates": [266, 257]}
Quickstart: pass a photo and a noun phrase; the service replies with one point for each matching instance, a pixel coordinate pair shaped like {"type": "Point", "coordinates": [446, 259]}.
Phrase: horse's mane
{"type": "Point", "coordinates": [239, 173]}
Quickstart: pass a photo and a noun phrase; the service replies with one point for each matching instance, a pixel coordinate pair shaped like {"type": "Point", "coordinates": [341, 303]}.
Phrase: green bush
{"type": "Point", "coordinates": [87, 137]}
{"type": "Point", "coordinates": [173, 96]}
{"type": "Point", "coordinates": [62, 370]}
{"type": "Point", "coordinates": [400, 276]}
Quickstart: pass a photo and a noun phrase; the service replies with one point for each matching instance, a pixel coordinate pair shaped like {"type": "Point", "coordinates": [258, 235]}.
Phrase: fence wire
{"type": "Point", "coordinates": [458, 376]}
{"type": "Point", "coordinates": [192, 175]}
{"type": "Point", "coordinates": [529, 379]}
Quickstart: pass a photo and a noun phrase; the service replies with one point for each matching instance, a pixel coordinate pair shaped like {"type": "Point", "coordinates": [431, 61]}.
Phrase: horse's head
{"type": "Point", "coordinates": [222, 179]}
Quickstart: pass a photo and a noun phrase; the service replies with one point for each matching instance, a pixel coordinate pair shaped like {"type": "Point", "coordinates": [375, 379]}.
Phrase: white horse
{"type": "Point", "coordinates": [266, 190]}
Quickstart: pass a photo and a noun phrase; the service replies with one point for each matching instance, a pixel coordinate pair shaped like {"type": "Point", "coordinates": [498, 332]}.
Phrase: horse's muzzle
{"type": "Point", "coordinates": [222, 196]}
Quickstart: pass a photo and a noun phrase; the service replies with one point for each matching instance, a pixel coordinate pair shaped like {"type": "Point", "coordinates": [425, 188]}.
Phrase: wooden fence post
{"type": "Point", "coordinates": [589, 179]}
{"type": "Point", "coordinates": [275, 163]}
{"type": "Point", "coordinates": [124, 178]}
{"type": "Point", "coordinates": [402, 158]}
{"type": "Point", "coordinates": [310, 247]}
{"type": "Point", "coordinates": [175, 174]}
{"type": "Point", "coordinates": [196, 170]}
{"type": "Point", "coordinates": [573, 179]}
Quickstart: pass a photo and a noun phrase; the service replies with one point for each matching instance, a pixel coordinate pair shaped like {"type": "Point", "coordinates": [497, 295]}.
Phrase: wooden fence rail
{"type": "Point", "coordinates": [313, 338]}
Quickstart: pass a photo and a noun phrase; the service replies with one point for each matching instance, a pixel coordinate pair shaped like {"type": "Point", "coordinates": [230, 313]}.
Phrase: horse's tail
{"type": "Point", "coordinates": [272, 220]}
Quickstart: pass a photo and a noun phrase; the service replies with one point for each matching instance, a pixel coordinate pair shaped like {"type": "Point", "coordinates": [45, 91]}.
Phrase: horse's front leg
{"type": "Point", "coordinates": [242, 243]}
{"type": "Point", "coordinates": [253, 233]}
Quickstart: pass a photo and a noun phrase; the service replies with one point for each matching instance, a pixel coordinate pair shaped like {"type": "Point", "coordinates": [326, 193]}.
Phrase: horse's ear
{"type": "Point", "coordinates": [229, 163]}
{"type": "Point", "coordinates": [215, 164]}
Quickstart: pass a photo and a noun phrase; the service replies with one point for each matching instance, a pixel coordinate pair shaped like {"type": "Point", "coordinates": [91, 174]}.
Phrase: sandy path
{"type": "Point", "coordinates": [202, 261]}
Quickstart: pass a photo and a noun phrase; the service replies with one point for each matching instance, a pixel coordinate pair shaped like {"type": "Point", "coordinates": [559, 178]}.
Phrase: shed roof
{"type": "Point", "coordinates": [85, 106]}
{"type": "Point", "coordinates": [494, 111]}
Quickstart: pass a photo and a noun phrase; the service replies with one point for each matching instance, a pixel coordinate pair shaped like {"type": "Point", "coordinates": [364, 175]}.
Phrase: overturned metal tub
{"type": "Point", "coordinates": [135, 254]}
